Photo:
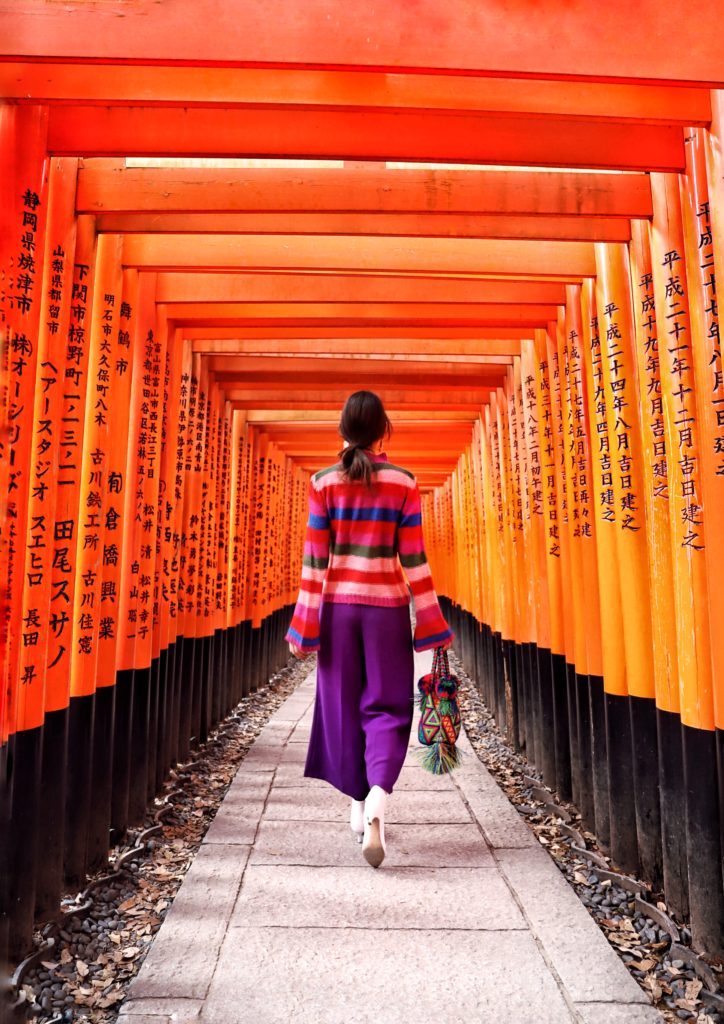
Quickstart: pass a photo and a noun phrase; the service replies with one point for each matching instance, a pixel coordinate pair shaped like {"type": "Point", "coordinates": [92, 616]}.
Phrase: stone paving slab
{"type": "Point", "coordinates": [182, 958]}
{"type": "Point", "coordinates": [279, 917]}
{"type": "Point", "coordinates": [587, 965]}
{"type": "Point", "coordinates": [315, 843]}
{"type": "Point", "coordinates": [355, 897]}
{"type": "Point", "coordinates": [404, 806]}
{"type": "Point", "coordinates": [615, 1013]}
{"type": "Point", "coordinates": [355, 976]}
{"type": "Point", "coordinates": [161, 1011]}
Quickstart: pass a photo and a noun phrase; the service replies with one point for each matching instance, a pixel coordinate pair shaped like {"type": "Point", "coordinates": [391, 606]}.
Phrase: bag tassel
{"type": "Point", "coordinates": [440, 758]}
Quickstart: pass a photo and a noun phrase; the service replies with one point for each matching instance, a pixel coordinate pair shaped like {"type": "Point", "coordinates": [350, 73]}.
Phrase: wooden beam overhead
{"type": "Point", "coordinates": [420, 347]}
{"type": "Point", "coordinates": [586, 40]}
{"type": "Point", "coordinates": [273, 368]}
{"type": "Point", "coordinates": [359, 90]}
{"type": "Point", "coordinates": [297, 252]}
{"type": "Point", "coordinates": [77, 130]}
{"type": "Point", "coordinates": [366, 335]}
{"type": "Point", "coordinates": [335, 396]}
{"type": "Point", "coordinates": [189, 287]}
{"type": "Point", "coordinates": [408, 313]}
{"type": "Point", "coordinates": [402, 225]}
{"type": "Point", "coordinates": [308, 419]}
{"type": "Point", "coordinates": [493, 192]}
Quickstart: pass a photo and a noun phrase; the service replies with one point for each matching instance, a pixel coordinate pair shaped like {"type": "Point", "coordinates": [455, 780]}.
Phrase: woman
{"type": "Point", "coordinates": [364, 527]}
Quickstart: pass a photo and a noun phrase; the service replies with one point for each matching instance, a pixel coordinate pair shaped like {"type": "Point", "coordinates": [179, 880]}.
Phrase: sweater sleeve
{"type": "Point", "coordinates": [431, 628]}
{"type": "Point", "coordinates": [304, 628]}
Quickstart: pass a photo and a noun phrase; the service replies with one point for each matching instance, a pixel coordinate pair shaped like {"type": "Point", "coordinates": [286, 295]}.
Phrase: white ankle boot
{"type": "Point", "coordinates": [357, 818]}
{"type": "Point", "coordinates": [373, 840]}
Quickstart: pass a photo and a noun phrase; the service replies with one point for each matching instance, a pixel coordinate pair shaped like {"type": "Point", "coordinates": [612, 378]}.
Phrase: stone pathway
{"type": "Point", "coordinates": [468, 919]}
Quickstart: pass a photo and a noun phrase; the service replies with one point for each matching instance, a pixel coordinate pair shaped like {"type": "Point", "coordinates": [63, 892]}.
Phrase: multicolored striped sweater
{"type": "Point", "coordinates": [357, 543]}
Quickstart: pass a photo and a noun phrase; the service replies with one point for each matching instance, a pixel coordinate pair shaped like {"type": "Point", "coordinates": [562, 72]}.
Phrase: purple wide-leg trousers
{"type": "Point", "coordinates": [365, 697]}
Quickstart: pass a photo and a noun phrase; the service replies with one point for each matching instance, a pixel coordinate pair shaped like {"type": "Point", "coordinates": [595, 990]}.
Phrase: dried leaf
{"type": "Point", "coordinates": [580, 878]}
{"type": "Point", "coordinates": [646, 964]}
{"type": "Point", "coordinates": [654, 988]}
{"type": "Point", "coordinates": [685, 1004]}
{"type": "Point", "coordinates": [65, 957]}
{"type": "Point", "coordinates": [82, 968]}
{"type": "Point", "coordinates": [693, 988]}
{"type": "Point", "coordinates": [130, 951]}
{"type": "Point", "coordinates": [115, 938]}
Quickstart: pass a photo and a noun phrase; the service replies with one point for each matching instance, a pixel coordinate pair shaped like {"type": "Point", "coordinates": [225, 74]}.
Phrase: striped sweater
{"type": "Point", "coordinates": [357, 543]}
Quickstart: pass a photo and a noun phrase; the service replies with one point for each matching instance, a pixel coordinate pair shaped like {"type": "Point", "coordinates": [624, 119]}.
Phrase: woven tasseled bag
{"type": "Point", "coordinates": [439, 725]}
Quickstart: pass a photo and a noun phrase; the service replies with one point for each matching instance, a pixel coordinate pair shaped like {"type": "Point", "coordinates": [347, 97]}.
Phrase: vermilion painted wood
{"type": "Point", "coordinates": [361, 90]}
{"type": "Point", "coordinates": [356, 338]}
{"type": "Point", "coordinates": [275, 368]}
{"type": "Point", "coordinates": [294, 252]}
{"type": "Point", "coordinates": [334, 396]}
{"type": "Point", "coordinates": [105, 186]}
{"type": "Point", "coordinates": [451, 346]}
{"type": "Point", "coordinates": [249, 287]}
{"type": "Point", "coordinates": [439, 225]}
{"type": "Point", "coordinates": [463, 35]}
{"type": "Point", "coordinates": [324, 134]}
{"type": "Point", "coordinates": [408, 313]}
{"type": "Point", "coordinates": [294, 418]}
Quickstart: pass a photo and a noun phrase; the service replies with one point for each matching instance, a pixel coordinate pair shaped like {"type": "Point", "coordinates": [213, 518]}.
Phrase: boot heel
{"type": "Point", "coordinates": [373, 850]}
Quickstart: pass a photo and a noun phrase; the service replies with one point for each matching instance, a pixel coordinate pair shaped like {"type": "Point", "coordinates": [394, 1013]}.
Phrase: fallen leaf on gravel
{"type": "Point", "coordinates": [686, 1004]}
{"type": "Point", "coordinates": [82, 968]}
{"type": "Point", "coordinates": [654, 988]}
{"type": "Point", "coordinates": [130, 951]}
{"type": "Point", "coordinates": [65, 957]}
{"type": "Point", "coordinates": [112, 997]}
{"type": "Point", "coordinates": [583, 880]}
{"type": "Point", "coordinates": [693, 988]}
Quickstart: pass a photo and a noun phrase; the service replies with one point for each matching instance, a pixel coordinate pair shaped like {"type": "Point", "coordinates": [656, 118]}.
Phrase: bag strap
{"type": "Point", "coordinates": [440, 664]}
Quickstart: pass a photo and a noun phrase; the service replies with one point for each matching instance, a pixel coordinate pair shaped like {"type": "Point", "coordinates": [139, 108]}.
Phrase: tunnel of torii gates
{"type": "Point", "coordinates": [540, 319]}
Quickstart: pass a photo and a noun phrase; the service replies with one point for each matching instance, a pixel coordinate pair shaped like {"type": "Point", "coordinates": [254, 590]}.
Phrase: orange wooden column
{"type": "Point", "coordinates": [658, 528]}
{"type": "Point", "coordinates": [86, 822]}
{"type": "Point", "coordinates": [700, 248]}
{"type": "Point", "coordinates": [684, 446]}
{"type": "Point", "coordinates": [541, 696]}
{"type": "Point", "coordinates": [63, 575]}
{"type": "Point", "coordinates": [53, 293]}
{"type": "Point", "coordinates": [584, 611]}
{"type": "Point", "coordinates": [615, 312]}
{"type": "Point", "coordinates": [609, 588]}
{"type": "Point", "coordinates": [25, 246]}
{"type": "Point", "coordinates": [43, 420]}
{"type": "Point", "coordinates": [581, 472]}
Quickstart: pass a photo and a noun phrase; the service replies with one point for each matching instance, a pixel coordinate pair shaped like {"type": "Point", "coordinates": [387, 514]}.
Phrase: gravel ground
{"type": "Point", "coordinates": [83, 979]}
{"type": "Point", "coordinates": [644, 946]}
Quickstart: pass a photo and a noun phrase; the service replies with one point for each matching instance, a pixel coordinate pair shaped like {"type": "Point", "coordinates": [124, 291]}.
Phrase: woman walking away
{"type": "Point", "coordinates": [364, 527]}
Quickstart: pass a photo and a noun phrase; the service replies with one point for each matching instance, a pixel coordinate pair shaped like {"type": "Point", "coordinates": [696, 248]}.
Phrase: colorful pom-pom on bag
{"type": "Point", "coordinates": [439, 725]}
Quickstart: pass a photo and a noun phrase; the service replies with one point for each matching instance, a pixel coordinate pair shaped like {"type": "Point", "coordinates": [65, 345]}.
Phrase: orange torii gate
{"type": "Point", "coordinates": [178, 340]}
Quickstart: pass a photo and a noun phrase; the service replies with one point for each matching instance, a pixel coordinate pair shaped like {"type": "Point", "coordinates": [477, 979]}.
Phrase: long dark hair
{"type": "Point", "coordinates": [362, 423]}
